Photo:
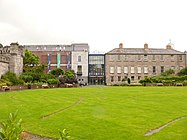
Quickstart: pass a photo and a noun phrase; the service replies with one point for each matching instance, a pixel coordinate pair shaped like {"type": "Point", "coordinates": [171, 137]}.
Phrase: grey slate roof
{"type": "Point", "coordinates": [72, 47]}
{"type": "Point", "coordinates": [143, 51]}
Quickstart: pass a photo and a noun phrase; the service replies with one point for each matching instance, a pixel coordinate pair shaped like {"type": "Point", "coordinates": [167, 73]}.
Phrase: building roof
{"type": "Point", "coordinates": [72, 47]}
{"type": "Point", "coordinates": [143, 51]}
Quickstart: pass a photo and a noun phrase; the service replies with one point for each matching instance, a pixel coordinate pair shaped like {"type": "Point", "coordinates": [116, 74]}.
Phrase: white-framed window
{"type": "Point", "coordinates": [125, 57]}
{"type": "Point", "coordinates": [111, 58]}
{"type": "Point", "coordinates": [145, 57]}
{"type": "Point", "coordinates": [111, 69]}
{"type": "Point", "coordinates": [173, 67]}
{"type": "Point", "coordinates": [118, 57]}
{"type": "Point", "coordinates": [153, 57]}
{"type": "Point", "coordinates": [180, 57]}
{"type": "Point", "coordinates": [118, 69]}
{"type": "Point", "coordinates": [79, 58]}
{"type": "Point", "coordinates": [139, 57]}
{"type": "Point", "coordinates": [162, 69]}
{"type": "Point", "coordinates": [145, 69]}
{"type": "Point", "coordinates": [139, 70]}
{"type": "Point", "coordinates": [125, 69]}
{"type": "Point", "coordinates": [162, 57]}
{"type": "Point", "coordinates": [132, 69]}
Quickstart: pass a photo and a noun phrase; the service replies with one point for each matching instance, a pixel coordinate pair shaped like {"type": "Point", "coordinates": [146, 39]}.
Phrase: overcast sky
{"type": "Point", "coordinates": [103, 24]}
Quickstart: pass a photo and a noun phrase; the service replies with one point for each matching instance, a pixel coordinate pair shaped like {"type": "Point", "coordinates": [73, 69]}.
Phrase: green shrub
{"type": "Point", "coordinates": [64, 135]}
{"type": "Point", "coordinates": [53, 81]}
{"type": "Point", "coordinates": [26, 78]}
{"type": "Point", "coordinates": [11, 128]}
{"type": "Point", "coordinates": [12, 78]}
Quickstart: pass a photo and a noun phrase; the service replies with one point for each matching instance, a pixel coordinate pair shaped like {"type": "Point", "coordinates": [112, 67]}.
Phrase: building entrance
{"type": "Point", "coordinates": [96, 81]}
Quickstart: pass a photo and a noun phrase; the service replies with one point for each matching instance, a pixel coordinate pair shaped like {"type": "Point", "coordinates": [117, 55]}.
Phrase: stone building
{"type": "Point", "coordinates": [138, 63]}
{"type": "Point", "coordinates": [11, 58]}
{"type": "Point", "coordinates": [79, 62]}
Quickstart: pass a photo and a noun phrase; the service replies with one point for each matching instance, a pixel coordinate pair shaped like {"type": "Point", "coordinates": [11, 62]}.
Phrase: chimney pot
{"type": "Point", "coordinates": [145, 46]}
{"type": "Point", "coordinates": [121, 45]}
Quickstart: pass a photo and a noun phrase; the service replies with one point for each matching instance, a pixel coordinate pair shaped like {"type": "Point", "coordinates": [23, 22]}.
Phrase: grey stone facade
{"type": "Point", "coordinates": [137, 63]}
{"type": "Point", "coordinates": [11, 59]}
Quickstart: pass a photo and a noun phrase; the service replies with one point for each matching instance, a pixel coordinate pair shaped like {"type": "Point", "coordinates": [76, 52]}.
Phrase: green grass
{"type": "Point", "coordinates": [105, 113]}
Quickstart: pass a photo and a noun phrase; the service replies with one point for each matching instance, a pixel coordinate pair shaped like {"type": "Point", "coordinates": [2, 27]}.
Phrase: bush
{"type": "Point", "coordinates": [26, 78]}
{"type": "Point", "coordinates": [11, 129]}
{"type": "Point", "coordinates": [12, 78]}
{"type": "Point", "coordinates": [53, 81]}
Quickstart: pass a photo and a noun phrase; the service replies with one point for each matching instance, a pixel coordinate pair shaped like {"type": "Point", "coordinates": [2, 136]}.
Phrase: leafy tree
{"type": "Point", "coordinates": [168, 72]}
{"type": "Point", "coordinates": [183, 72]}
{"type": "Point", "coordinates": [30, 59]}
{"type": "Point", "coordinates": [57, 72]}
{"type": "Point", "coordinates": [70, 74]}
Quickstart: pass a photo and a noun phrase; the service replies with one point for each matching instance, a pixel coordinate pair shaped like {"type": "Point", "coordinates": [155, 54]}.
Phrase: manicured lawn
{"type": "Point", "coordinates": [102, 113]}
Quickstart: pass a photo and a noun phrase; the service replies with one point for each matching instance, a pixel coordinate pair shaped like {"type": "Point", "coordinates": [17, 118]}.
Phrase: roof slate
{"type": "Point", "coordinates": [143, 51]}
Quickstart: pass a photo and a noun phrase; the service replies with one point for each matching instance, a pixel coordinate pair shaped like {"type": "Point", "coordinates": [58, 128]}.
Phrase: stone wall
{"type": "Point", "coordinates": [11, 58]}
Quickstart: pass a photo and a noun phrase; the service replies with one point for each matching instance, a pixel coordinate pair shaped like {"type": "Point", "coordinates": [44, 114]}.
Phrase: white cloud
{"type": "Point", "coordinates": [102, 24]}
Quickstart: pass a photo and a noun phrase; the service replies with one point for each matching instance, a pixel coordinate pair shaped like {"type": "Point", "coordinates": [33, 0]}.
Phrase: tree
{"type": "Point", "coordinates": [30, 59]}
{"type": "Point", "coordinates": [182, 72]}
{"type": "Point", "coordinates": [57, 72]}
{"type": "Point", "coordinates": [168, 72]}
{"type": "Point", "coordinates": [31, 63]}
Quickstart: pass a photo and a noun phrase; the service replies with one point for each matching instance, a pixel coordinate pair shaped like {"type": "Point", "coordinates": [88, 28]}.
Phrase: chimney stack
{"type": "Point", "coordinates": [145, 46]}
{"type": "Point", "coordinates": [121, 45]}
{"type": "Point", "coordinates": [168, 46]}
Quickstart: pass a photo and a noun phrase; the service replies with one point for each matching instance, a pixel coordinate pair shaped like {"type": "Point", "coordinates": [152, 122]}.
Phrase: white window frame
{"type": "Point", "coordinates": [125, 69]}
{"type": "Point", "coordinates": [118, 69]}
{"type": "Point", "coordinates": [132, 70]}
{"type": "Point", "coordinates": [111, 69]}
{"type": "Point", "coordinates": [139, 70]}
{"type": "Point", "coordinates": [145, 69]}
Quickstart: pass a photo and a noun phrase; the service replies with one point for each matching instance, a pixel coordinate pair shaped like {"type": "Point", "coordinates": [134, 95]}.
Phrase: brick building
{"type": "Point", "coordinates": [137, 63]}
{"type": "Point", "coordinates": [64, 56]}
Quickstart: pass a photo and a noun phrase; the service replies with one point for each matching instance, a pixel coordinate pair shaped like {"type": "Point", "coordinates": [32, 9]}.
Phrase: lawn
{"type": "Point", "coordinates": [102, 113]}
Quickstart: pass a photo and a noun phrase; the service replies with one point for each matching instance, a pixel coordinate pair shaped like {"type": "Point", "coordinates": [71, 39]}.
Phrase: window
{"type": "Point", "coordinates": [111, 69]}
{"type": "Point", "coordinates": [139, 57]}
{"type": "Point", "coordinates": [112, 78]}
{"type": "Point", "coordinates": [181, 67]}
{"type": "Point", "coordinates": [180, 57]}
{"type": "Point", "coordinates": [132, 69]}
{"type": "Point", "coordinates": [79, 68]}
{"type": "Point", "coordinates": [139, 70]}
{"type": "Point", "coordinates": [132, 78]}
{"type": "Point", "coordinates": [79, 58]}
{"type": "Point", "coordinates": [145, 69]}
{"type": "Point", "coordinates": [145, 57]}
{"type": "Point", "coordinates": [125, 69]}
{"type": "Point", "coordinates": [154, 58]}
{"type": "Point", "coordinates": [119, 78]}
{"type": "Point", "coordinates": [118, 69]}
{"type": "Point", "coordinates": [154, 69]}
{"type": "Point", "coordinates": [125, 57]}
{"type": "Point", "coordinates": [173, 67]}
{"type": "Point", "coordinates": [162, 69]}
{"type": "Point", "coordinates": [172, 58]}
{"type": "Point", "coordinates": [111, 57]}
{"type": "Point", "coordinates": [139, 77]}
{"type": "Point", "coordinates": [162, 58]}
{"type": "Point", "coordinates": [125, 78]}
{"type": "Point", "coordinates": [118, 57]}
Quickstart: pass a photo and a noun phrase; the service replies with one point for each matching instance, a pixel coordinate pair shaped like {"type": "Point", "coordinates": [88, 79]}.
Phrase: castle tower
{"type": "Point", "coordinates": [16, 58]}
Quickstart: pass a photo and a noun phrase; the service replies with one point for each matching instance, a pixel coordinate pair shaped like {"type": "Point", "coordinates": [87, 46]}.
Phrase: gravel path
{"type": "Point", "coordinates": [151, 132]}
